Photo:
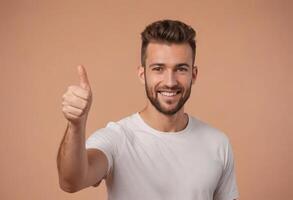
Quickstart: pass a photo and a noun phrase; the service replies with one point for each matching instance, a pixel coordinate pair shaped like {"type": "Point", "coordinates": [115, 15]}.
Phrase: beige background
{"type": "Point", "coordinates": [244, 86]}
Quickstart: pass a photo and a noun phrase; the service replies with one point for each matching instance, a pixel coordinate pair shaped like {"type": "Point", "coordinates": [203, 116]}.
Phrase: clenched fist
{"type": "Point", "coordinates": [77, 100]}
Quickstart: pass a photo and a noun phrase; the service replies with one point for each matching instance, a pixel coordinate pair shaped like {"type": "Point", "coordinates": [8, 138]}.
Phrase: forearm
{"type": "Point", "coordinates": [72, 158]}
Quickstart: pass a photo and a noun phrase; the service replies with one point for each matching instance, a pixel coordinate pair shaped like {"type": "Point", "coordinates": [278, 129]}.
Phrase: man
{"type": "Point", "coordinates": [160, 152]}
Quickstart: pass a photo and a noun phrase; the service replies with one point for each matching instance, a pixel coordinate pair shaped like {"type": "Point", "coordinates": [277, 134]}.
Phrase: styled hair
{"type": "Point", "coordinates": [167, 31]}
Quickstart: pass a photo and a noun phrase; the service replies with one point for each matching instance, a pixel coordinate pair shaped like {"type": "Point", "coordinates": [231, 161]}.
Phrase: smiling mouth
{"type": "Point", "coordinates": [169, 93]}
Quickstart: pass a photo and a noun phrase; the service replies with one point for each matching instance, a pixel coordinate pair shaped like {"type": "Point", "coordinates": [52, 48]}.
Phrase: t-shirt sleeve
{"type": "Point", "coordinates": [227, 186]}
{"type": "Point", "coordinates": [109, 140]}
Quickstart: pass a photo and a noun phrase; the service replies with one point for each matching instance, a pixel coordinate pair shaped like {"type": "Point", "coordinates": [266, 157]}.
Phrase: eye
{"type": "Point", "coordinates": [157, 69]}
{"type": "Point", "coordinates": [181, 69]}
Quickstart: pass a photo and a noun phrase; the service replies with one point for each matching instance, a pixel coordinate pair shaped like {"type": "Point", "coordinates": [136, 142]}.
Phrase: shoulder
{"type": "Point", "coordinates": [215, 140]}
{"type": "Point", "coordinates": [119, 127]}
{"type": "Point", "coordinates": [209, 132]}
{"type": "Point", "coordinates": [110, 136]}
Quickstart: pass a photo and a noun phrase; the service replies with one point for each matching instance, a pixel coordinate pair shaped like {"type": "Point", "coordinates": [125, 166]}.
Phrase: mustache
{"type": "Point", "coordinates": [176, 88]}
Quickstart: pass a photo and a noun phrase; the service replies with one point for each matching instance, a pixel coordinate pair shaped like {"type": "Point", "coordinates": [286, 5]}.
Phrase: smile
{"type": "Point", "coordinates": [169, 94]}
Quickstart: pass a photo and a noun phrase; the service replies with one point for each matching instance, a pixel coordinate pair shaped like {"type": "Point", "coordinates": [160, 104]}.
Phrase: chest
{"type": "Point", "coordinates": [170, 167]}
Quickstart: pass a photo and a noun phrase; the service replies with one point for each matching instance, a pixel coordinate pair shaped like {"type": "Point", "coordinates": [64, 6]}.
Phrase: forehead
{"type": "Point", "coordinates": [168, 53]}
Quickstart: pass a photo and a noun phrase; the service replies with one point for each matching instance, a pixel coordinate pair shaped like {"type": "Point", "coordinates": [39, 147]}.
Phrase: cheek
{"type": "Point", "coordinates": [185, 79]}
{"type": "Point", "coordinates": [153, 82]}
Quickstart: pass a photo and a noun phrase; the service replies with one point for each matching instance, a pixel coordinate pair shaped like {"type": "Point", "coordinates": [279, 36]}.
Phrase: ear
{"type": "Point", "coordinates": [140, 73]}
{"type": "Point", "coordinates": [194, 73]}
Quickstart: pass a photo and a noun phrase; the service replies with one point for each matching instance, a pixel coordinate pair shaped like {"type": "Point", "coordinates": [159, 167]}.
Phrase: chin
{"type": "Point", "coordinates": [170, 111]}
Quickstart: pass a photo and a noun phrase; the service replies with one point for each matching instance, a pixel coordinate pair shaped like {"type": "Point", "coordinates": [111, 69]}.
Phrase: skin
{"type": "Point", "coordinates": [168, 67]}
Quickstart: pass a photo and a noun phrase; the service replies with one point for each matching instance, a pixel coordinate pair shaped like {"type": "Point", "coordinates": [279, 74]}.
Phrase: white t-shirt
{"type": "Point", "coordinates": [195, 163]}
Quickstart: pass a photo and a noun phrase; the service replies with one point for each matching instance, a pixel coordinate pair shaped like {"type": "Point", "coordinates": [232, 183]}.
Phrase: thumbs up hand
{"type": "Point", "coordinates": [77, 100]}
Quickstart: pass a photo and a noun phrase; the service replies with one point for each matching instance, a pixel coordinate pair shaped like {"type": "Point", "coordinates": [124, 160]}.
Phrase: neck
{"type": "Point", "coordinates": [162, 122]}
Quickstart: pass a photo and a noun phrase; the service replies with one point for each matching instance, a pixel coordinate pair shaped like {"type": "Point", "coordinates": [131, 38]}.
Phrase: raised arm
{"type": "Point", "coordinates": [78, 168]}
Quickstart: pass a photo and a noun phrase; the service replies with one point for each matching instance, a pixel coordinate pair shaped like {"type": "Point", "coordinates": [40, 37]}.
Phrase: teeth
{"type": "Point", "coordinates": [169, 94]}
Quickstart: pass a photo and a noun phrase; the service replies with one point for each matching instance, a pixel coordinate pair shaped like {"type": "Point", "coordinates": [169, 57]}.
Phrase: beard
{"type": "Point", "coordinates": [153, 98]}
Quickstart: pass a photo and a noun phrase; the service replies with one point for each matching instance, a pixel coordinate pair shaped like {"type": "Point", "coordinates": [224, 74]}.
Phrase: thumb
{"type": "Point", "coordinates": [83, 80]}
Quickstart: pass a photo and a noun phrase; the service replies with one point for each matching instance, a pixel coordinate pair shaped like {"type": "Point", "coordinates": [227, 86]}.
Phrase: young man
{"type": "Point", "coordinates": [160, 152]}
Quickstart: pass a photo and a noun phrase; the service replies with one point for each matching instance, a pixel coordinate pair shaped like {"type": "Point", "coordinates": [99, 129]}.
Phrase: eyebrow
{"type": "Point", "coordinates": [162, 64]}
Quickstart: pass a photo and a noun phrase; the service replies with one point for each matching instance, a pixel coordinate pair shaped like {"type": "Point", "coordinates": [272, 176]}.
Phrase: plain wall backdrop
{"type": "Point", "coordinates": [244, 84]}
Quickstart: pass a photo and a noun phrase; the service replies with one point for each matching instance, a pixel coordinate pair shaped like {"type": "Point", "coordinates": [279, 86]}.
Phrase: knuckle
{"type": "Point", "coordinates": [84, 105]}
{"type": "Point", "coordinates": [66, 95]}
{"type": "Point", "coordinates": [80, 113]}
{"type": "Point", "coordinates": [64, 109]}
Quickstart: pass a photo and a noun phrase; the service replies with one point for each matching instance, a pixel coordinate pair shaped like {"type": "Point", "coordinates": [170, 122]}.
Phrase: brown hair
{"type": "Point", "coordinates": [167, 31]}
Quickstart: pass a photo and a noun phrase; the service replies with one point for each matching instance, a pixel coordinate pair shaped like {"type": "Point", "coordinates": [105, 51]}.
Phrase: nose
{"type": "Point", "coordinates": [170, 79]}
